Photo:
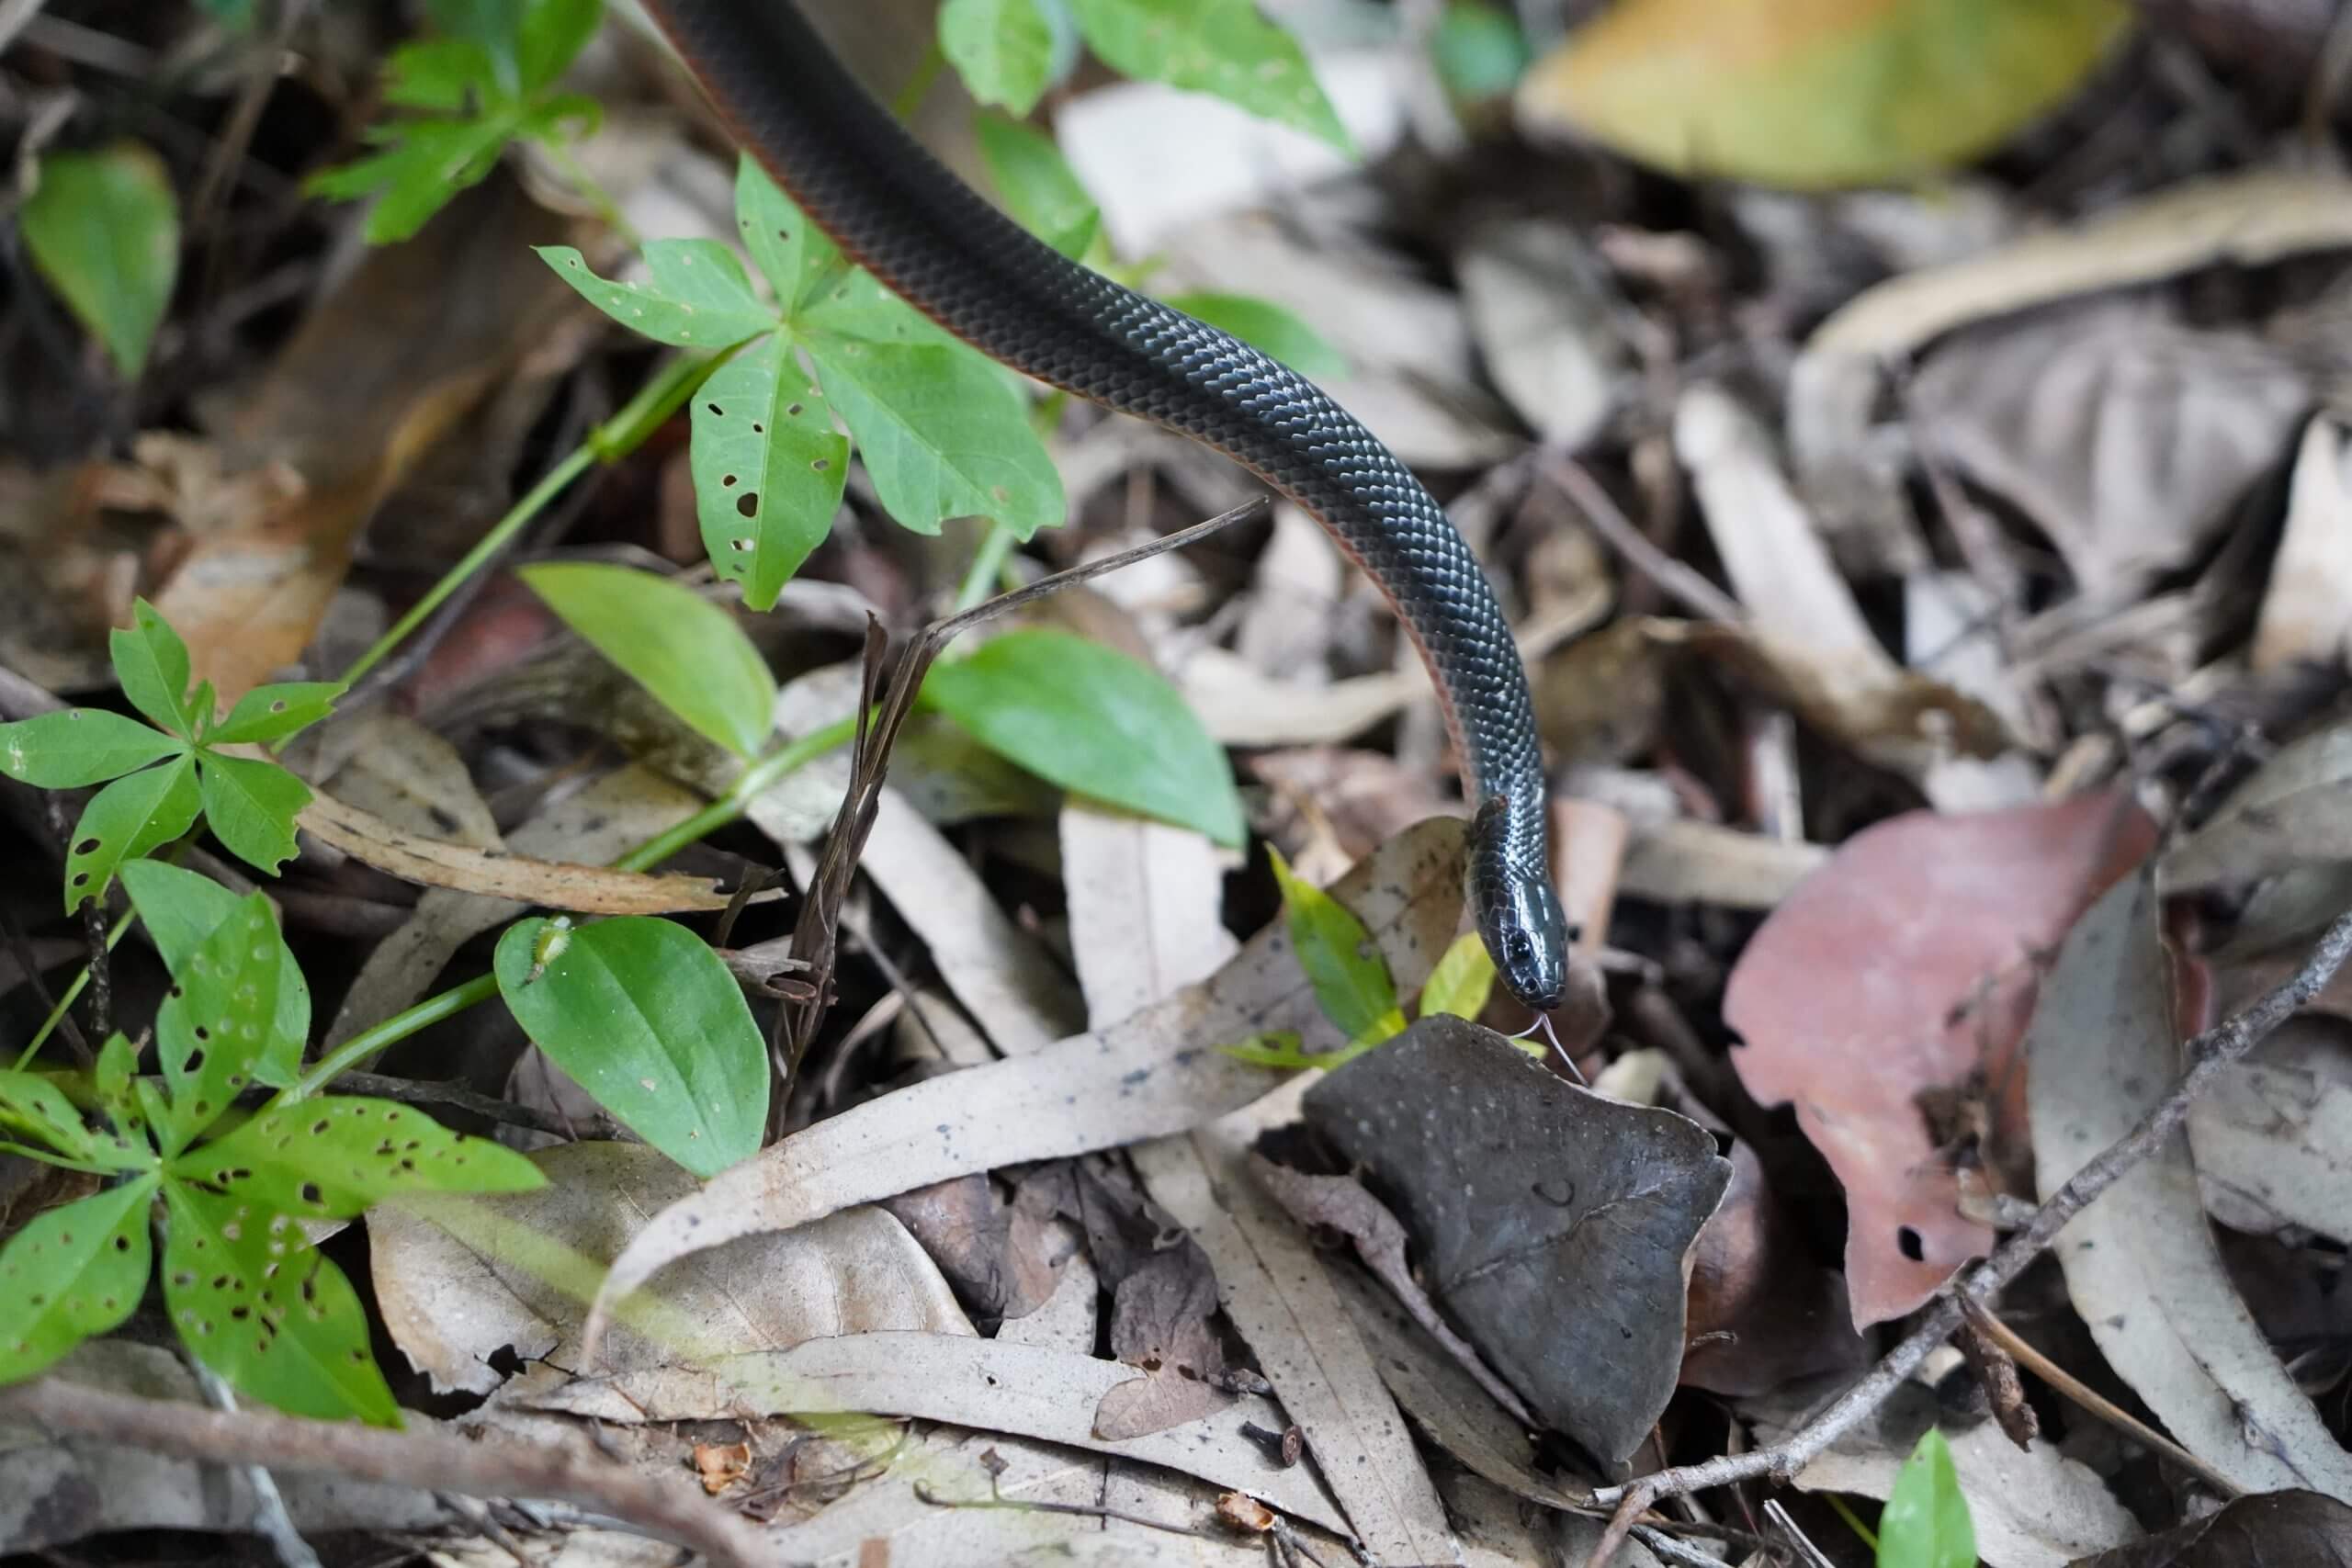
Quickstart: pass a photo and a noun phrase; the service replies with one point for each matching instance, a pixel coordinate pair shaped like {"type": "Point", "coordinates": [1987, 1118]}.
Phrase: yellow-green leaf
{"type": "Point", "coordinates": [1461, 981]}
{"type": "Point", "coordinates": [1350, 978]}
{"type": "Point", "coordinates": [1811, 93]}
{"type": "Point", "coordinates": [676, 644]}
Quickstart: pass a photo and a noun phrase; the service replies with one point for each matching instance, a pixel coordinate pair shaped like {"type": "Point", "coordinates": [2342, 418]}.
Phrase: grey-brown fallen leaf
{"type": "Point", "coordinates": [1154, 1072]}
{"type": "Point", "coordinates": [2140, 1264]}
{"type": "Point", "coordinates": [2303, 1528]}
{"type": "Point", "coordinates": [1684, 862]}
{"type": "Point", "coordinates": [2273, 1149]}
{"type": "Point", "coordinates": [1545, 315]}
{"type": "Point", "coordinates": [1763, 1313]}
{"type": "Point", "coordinates": [461, 1279]}
{"type": "Point", "coordinates": [1569, 1272]}
{"type": "Point", "coordinates": [996, 1255]}
{"type": "Point", "coordinates": [2306, 615]}
{"type": "Point", "coordinates": [2295, 810]}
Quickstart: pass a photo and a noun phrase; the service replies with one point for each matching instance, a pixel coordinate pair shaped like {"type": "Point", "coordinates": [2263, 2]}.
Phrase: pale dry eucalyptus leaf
{"type": "Point", "coordinates": [460, 1279]}
{"type": "Point", "coordinates": [2140, 1262]}
{"type": "Point", "coordinates": [2294, 812]}
{"type": "Point", "coordinates": [2273, 1149]}
{"type": "Point", "coordinates": [1545, 315]}
{"type": "Point", "coordinates": [2306, 615]}
{"type": "Point", "coordinates": [1156, 1073]}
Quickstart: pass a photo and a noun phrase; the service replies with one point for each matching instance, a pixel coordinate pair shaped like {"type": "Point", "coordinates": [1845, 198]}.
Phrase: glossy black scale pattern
{"type": "Point", "coordinates": [896, 210]}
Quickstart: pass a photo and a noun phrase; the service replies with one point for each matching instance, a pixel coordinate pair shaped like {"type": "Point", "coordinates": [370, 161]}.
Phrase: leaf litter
{"type": "Point", "coordinates": [1935, 606]}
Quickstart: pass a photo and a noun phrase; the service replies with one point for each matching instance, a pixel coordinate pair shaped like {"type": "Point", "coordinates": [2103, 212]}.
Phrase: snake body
{"type": "Point", "coordinates": [896, 210]}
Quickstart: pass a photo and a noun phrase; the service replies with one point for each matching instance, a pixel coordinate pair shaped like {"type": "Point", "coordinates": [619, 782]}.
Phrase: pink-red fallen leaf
{"type": "Point", "coordinates": [1906, 968]}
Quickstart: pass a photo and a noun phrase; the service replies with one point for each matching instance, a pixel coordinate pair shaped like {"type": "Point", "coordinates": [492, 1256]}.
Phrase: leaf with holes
{"type": "Point", "coordinates": [768, 468]}
{"type": "Point", "coordinates": [151, 662]}
{"type": "Point", "coordinates": [251, 805]}
{"type": "Point", "coordinates": [79, 747]}
{"type": "Point", "coordinates": [256, 1302]}
{"type": "Point", "coordinates": [1925, 1523]}
{"type": "Point", "coordinates": [332, 1158]}
{"type": "Point", "coordinates": [73, 1272]}
{"type": "Point", "coordinates": [1352, 981]}
{"type": "Point", "coordinates": [791, 252]}
{"type": "Point", "coordinates": [111, 1079]}
{"type": "Point", "coordinates": [213, 1032]}
{"type": "Point", "coordinates": [104, 229]}
{"type": "Point", "coordinates": [1222, 47]}
{"type": "Point", "coordinates": [125, 820]}
{"type": "Point", "coordinates": [272, 712]}
{"type": "Point", "coordinates": [1006, 50]}
{"type": "Point", "coordinates": [1094, 721]}
{"type": "Point", "coordinates": [1038, 186]}
{"type": "Point", "coordinates": [1267, 328]}
{"type": "Point", "coordinates": [181, 909]}
{"type": "Point", "coordinates": [698, 296]}
{"type": "Point", "coordinates": [1461, 981]}
{"type": "Point", "coordinates": [941, 434]}
{"type": "Point", "coordinates": [650, 1023]}
{"type": "Point", "coordinates": [670, 639]}
{"type": "Point", "coordinates": [30, 1105]}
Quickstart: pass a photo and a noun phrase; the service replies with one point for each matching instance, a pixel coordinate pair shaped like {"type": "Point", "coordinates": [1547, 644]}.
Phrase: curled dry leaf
{"type": "Point", "coordinates": [2141, 1265]}
{"type": "Point", "coordinates": [2300, 1527]}
{"type": "Point", "coordinates": [461, 1280]}
{"type": "Point", "coordinates": [1762, 1312]}
{"type": "Point", "coordinates": [2294, 811]}
{"type": "Point", "coordinates": [1153, 1073]}
{"type": "Point", "coordinates": [1569, 1276]}
{"type": "Point", "coordinates": [1907, 967]}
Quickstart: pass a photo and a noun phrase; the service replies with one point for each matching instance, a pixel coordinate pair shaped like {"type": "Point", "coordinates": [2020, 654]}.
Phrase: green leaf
{"type": "Point", "coordinates": [1277, 1048]}
{"type": "Point", "coordinates": [104, 229]}
{"type": "Point", "coordinates": [440, 73]}
{"type": "Point", "coordinates": [181, 909]}
{"type": "Point", "coordinates": [768, 466]}
{"type": "Point", "coordinates": [271, 713]}
{"type": "Point", "coordinates": [697, 296]}
{"type": "Point", "coordinates": [73, 1272]}
{"type": "Point", "coordinates": [793, 253]}
{"type": "Point", "coordinates": [430, 161]}
{"type": "Point", "coordinates": [1269, 328]}
{"type": "Point", "coordinates": [110, 1082]}
{"type": "Point", "coordinates": [333, 1158]}
{"type": "Point", "coordinates": [32, 1106]}
{"type": "Point", "coordinates": [78, 747]}
{"type": "Point", "coordinates": [552, 34]}
{"type": "Point", "coordinates": [1462, 980]}
{"type": "Point", "coordinates": [941, 434]}
{"type": "Point", "coordinates": [650, 1023]}
{"type": "Point", "coordinates": [1038, 186]}
{"type": "Point", "coordinates": [676, 644]}
{"type": "Point", "coordinates": [214, 1030]}
{"type": "Point", "coordinates": [134, 815]}
{"type": "Point", "coordinates": [1222, 47]}
{"type": "Point", "coordinates": [853, 304]}
{"type": "Point", "coordinates": [151, 661]}
{"type": "Point", "coordinates": [491, 27]}
{"type": "Point", "coordinates": [251, 805]}
{"type": "Point", "coordinates": [1004, 50]}
{"type": "Point", "coordinates": [1094, 721]}
{"type": "Point", "coordinates": [1925, 1523]}
{"type": "Point", "coordinates": [1350, 979]}
{"type": "Point", "coordinates": [1478, 50]}
{"type": "Point", "coordinates": [256, 1302]}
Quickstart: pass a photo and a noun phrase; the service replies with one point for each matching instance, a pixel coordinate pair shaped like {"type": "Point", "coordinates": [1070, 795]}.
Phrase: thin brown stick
{"type": "Point", "coordinates": [2098, 1404]}
{"type": "Point", "coordinates": [1697, 595]}
{"type": "Point", "coordinates": [1996, 1371]}
{"type": "Point", "coordinates": [428, 1461]}
{"type": "Point", "coordinates": [2208, 1054]}
{"type": "Point", "coordinates": [457, 1096]}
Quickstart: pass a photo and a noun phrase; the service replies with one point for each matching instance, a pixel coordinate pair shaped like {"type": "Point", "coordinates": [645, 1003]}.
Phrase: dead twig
{"type": "Point", "coordinates": [2208, 1054]}
{"type": "Point", "coordinates": [429, 1461]}
{"type": "Point", "coordinates": [457, 1096]}
{"type": "Point", "coordinates": [1996, 1371]}
{"type": "Point", "coordinates": [1697, 595]}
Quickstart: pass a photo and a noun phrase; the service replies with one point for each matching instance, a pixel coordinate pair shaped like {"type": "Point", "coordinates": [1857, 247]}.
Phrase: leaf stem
{"type": "Point", "coordinates": [592, 191]}
{"type": "Point", "coordinates": [987, 565]}
{"type": "Point", "coordinates": [910, 97]}
{"type": "Point", "coordinates": [397, 1028]}
{"type": "Point", "coordinates": [72, 993]}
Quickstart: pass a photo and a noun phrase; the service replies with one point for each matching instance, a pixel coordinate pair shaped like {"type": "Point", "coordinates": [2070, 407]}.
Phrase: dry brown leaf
{"type": "Point", "coordinates": [2300, 1527]}
{"type": "Point", "coordinates": [1907, 966]}
{"type": "Point", "coordinates": [1154, 1072]}
{"type": "Point", "coordinates": [2288, 817]}
{"type": "Point", "coordinates": [2306, 614]}
{"type": "Point", "coordinates": [1545, 314]}
{"type": "Point", "coordinates": [1762, 1312]}
{"type": "Point", "coordinates": [1683, 862]}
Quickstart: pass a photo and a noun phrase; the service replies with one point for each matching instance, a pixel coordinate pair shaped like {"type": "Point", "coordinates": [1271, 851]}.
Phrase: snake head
{"type": "Point", "coordinates": [1519, 915]}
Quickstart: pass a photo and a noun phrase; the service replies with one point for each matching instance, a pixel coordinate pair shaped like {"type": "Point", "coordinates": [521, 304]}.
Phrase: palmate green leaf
{"type": "Point", "coordinates": [1350, 979]}
{"type": "Point", "coordinates": [79, 747]}
{"type": "Point", "coordinates": [941, 434]}
{"type": "Point", "coordinates": [793, 253]}
{"type": "Point", "coordinates": [1222, 47]}
{"type": "Point", "coordinates": [152, 663]}
{"type": "Point", "coordinates": [104, 230]}
{"type": "Point", "coordinates": [1269, 328]}
{"type": "Point", "coordinates": [1040, 188]}
{"type": "Point", "coordinates": [551, 38]}
{"type": "Point", "coordinates": [73, 1272]}
{"type": "Point", "coordinates": [134, 815]}
{"type": "Point", "coordinates": [110, 1082]}
{"type": "Point", "coordinates": [697, 295]}
{"type": "Point", "coordinates": [1094, 721]}
{"type": "Point", "coordinates": [768, 466]}
{"type": "Point", "coordinates": [272, 712]}
{"type": "Point", "coordinates": [447, 75]}
{"type": "Point", "coordinates": [332, 1158]}
{"type": "Point", "coordinates": [256, 1302]}
{"type": "Point", "coordinates": [1925, 1523]}
{"type": "Point", "coordinates": [180, 910]}
{"type": "Point", "coordinates": [650, 1023]}
{"type": "Point", "coordinates": [251, 805]}
{"type": "Point", "coordinates": [1005, 49]}
{"type": "Point", "coordinates": [214, 1033]}
{"type": "Point", "coordinates": [429, 163]}
{"type": "Point", "coordinates": [676, 644]}
{"type": "Point", "coordinates": [1462, 980]}
{"type": "Point", "coordinates": [34, 1110]}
